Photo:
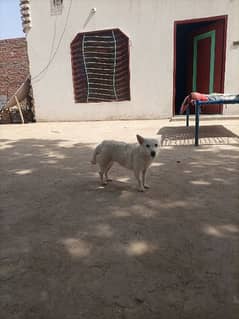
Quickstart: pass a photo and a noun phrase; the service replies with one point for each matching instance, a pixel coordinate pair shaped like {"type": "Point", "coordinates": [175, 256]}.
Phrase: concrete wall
{"type": "Point", "coordinates": [150, 26]}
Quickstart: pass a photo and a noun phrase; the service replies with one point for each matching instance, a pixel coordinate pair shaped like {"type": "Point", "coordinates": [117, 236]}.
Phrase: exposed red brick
{"type": "Point", "coordinates": [14, 65]}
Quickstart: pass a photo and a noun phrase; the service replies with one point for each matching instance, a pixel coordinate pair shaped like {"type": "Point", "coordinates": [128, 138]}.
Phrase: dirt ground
{"type": "Point", "coordinates": [73, 250]}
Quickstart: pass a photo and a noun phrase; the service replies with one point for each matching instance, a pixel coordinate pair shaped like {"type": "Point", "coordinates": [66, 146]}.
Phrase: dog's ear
{"type": "Point", "coordinates": [140, 139]}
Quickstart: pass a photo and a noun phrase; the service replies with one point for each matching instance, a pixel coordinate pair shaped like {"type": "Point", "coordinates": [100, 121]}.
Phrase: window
{"type": "Point", "coordinates": [56, 7]}
{"type": "Point", "coordinates": [100, 66]}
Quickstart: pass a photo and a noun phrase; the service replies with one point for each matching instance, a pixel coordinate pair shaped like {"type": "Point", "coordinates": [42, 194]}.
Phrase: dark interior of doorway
{"type": "Point", "coordinates": [182, 35]}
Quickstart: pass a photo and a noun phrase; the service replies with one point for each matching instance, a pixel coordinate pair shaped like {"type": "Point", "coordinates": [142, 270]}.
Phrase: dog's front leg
{"type": "Point", "coordinates": [138, 175]}
{"type": "Point", "coordinates": [144, 179]}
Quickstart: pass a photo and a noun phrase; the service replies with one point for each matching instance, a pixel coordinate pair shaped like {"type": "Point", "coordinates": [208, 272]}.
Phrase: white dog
{"type": "Point", "coordinates": [137, 157]}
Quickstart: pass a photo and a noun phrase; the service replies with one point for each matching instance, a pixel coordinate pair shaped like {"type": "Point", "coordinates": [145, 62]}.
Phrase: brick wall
{"type": "Point", "coordinates": [14, 66]}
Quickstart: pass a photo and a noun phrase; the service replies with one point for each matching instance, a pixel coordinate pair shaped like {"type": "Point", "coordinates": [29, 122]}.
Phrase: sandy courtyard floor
{"type": "Point", "coordinates": [70, 249]}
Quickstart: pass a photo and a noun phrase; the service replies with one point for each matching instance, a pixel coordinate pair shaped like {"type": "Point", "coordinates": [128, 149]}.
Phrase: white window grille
{"type": "Point", "coordinates": [100, 66]}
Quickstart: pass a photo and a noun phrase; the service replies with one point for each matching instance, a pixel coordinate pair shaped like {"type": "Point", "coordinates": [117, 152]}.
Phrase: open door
{"type": "Point", "coordinates": [199, 59]}
{"type": "Point", "coordinates": [206, 67]}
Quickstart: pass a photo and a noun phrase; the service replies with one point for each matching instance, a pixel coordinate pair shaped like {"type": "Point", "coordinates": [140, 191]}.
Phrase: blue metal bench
{"type": "Point", "coordinates": [198, 104]}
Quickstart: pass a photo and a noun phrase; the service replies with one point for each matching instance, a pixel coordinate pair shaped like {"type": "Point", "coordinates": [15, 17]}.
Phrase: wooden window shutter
{"type": "Point", "coordinates": [100, 66]}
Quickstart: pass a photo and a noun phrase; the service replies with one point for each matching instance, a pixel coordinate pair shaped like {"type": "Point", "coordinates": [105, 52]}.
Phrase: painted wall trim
{"type": "Point", "coordinates": [212, 35]}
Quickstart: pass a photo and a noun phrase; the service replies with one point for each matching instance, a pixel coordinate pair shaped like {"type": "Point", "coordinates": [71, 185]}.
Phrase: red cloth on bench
{"type": "Point", "coordinates": [194, 96]}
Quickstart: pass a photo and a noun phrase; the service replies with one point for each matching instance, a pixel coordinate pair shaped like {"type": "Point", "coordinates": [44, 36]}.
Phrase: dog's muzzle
{"type": "Point", "coordinates": [153, 153]}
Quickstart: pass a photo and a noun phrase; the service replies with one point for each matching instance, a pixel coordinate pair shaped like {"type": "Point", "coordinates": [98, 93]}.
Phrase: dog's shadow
{"type": "Point", "coordinates": [118, 185]}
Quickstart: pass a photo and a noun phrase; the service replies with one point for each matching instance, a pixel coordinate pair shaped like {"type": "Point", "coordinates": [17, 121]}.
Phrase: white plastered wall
{"type": "Point", "coordinates": [149, 24]}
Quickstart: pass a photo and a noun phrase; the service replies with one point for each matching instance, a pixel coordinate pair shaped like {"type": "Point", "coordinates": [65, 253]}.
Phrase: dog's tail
{"type": "Point", "coordinates": [96, 152]}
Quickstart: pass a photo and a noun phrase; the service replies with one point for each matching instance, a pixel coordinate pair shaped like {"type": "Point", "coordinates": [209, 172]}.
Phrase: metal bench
{"type": "Point", "coordinates": [197, 103]}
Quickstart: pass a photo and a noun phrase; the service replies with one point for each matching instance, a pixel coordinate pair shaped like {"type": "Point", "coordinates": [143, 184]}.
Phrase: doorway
{"type": "Point", "coordinates": [199, 59]}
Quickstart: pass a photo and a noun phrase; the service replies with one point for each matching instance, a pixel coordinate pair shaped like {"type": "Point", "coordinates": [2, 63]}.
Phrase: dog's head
{"type": "Point", "coordinates": [149, 145]}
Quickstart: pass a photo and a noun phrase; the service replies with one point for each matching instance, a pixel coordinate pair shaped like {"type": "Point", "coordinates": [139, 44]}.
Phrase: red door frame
{"type": "Point", "coordinates": [208, 19]}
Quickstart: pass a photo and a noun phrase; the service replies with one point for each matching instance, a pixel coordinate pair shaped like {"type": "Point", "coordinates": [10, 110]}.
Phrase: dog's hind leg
{"type": "Point", "coordinates": [144, 179]}
{"type": "Point", "coordinates": [103, 168]}
{"type": "Point", "coordinates": [102, 178]}
{"type": "Point", "coordinates": [107, 171]}
{"type": "Point", "coordinates": [139, 177]}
